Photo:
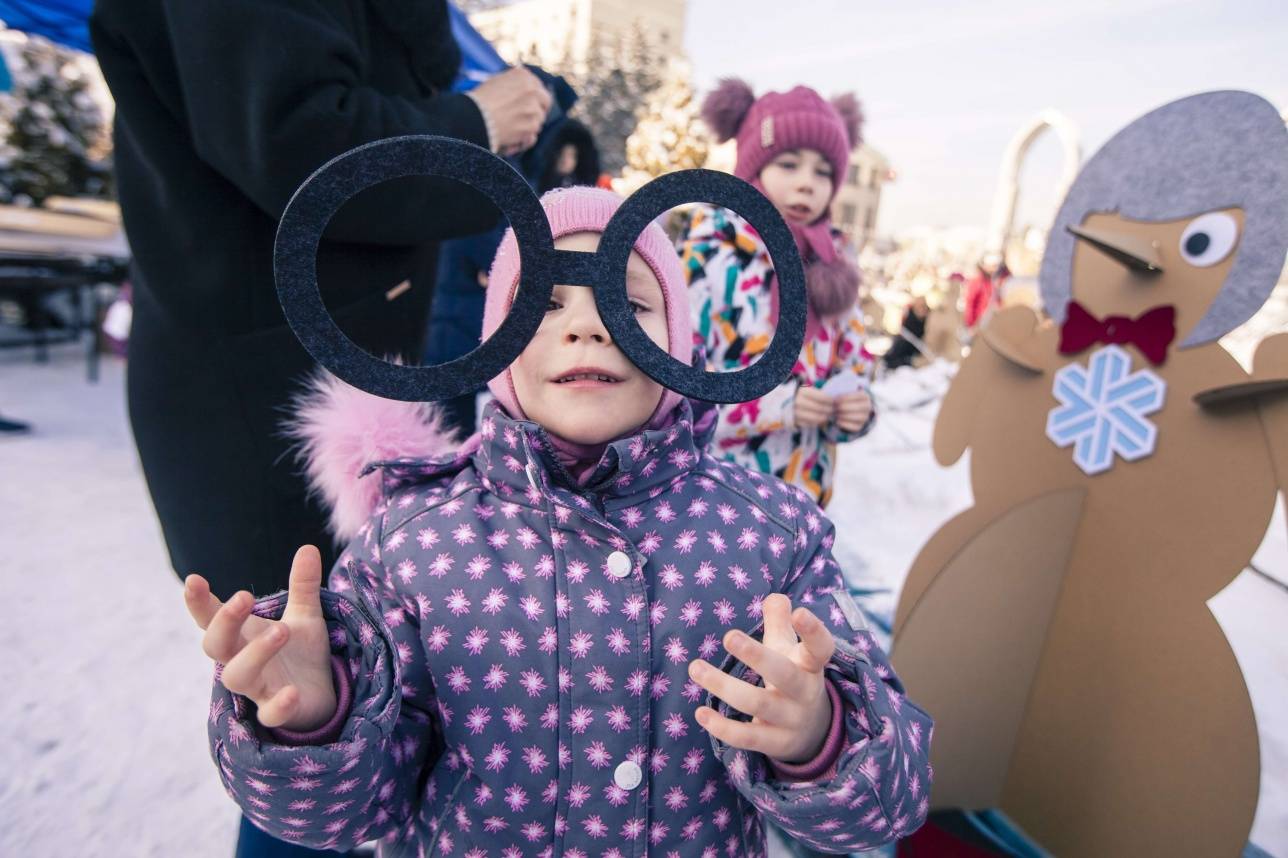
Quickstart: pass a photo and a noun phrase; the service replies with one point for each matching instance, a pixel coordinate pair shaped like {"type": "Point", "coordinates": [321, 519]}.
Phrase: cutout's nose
{"type": "Point", "coordinates": [1136, 253]}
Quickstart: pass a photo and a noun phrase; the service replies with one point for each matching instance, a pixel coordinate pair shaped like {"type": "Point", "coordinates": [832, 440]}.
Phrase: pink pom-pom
{"type": "Point", "coordinates": [851, 112]}
{"type": "Point", "coordinates": [726, 106]}
{"type": "Point", "coordinates": [833, 287]}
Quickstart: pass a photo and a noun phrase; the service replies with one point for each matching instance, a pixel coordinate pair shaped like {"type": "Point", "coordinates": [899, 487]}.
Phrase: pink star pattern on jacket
{"type": "Point", "coordinates": [518, 689]}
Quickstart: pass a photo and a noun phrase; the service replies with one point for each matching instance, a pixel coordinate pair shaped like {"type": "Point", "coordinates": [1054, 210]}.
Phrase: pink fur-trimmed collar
{"type": "Point", "coordinates": [341, 430]}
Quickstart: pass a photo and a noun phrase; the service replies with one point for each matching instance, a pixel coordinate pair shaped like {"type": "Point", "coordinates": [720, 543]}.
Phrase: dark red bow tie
{"type": "Point", "coordinates": [1151, 332]}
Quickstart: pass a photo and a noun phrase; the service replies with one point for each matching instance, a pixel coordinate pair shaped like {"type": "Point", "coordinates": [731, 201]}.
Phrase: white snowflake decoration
{"type": "Point", "coordinates": [1102, 410]}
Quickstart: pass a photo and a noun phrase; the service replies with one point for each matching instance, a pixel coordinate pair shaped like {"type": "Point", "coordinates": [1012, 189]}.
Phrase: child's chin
{"type": "Point", "coordinates": [589, 435]}
{"type": "Point", "coordinates": [589, 432]}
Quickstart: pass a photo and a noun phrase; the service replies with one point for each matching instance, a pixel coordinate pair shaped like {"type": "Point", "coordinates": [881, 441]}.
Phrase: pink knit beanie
{"type": "Point", "coordinates": [779, 121]}
{"type": "Point", "coordinates": [585, 209]}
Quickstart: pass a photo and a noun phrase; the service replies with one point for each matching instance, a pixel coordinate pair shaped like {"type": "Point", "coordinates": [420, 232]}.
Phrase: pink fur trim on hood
{"type": "Point", "coordinates": [341, 430]}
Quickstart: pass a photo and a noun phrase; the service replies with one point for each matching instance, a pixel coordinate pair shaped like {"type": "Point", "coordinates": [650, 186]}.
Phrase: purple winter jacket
{"type": "Point", "coordinates": [519, 648]}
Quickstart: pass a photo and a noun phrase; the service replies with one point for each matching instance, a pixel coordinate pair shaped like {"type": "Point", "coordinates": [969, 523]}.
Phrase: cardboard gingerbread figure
{"type": "Point", "coordinates": [1124, 469]}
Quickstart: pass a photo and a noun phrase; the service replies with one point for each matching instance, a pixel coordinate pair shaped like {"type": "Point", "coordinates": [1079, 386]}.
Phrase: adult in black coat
{"type": "Point", "coordinates": [223, 107]}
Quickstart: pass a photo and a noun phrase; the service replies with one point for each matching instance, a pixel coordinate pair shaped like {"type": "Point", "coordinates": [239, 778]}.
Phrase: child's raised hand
{"type": "Point", "coordinates": [791, 713]}
{"type": "Point", "coordinates": [812, 407]}
{"type": "Point", "coordinates": [284, 666]}
{"type": "Point", "coordinates": [853, 410]}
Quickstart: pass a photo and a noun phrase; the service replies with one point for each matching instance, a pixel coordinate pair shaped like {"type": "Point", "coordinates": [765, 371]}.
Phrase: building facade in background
{"type": "Point", "coordinates": [854, 211]}
{"type": "Point", "coordinates": [569, 34]}
{"type": "Point", "coordinates": [561, 33]}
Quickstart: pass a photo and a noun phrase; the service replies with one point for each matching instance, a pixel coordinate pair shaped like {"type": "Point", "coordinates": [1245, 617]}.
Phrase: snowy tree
{"type": "Point", "coordinates": [619, 74]}
{"type": "Point", "coordinates": [670, 134]}
{"type": "Point", "coordinates": [55, 136]}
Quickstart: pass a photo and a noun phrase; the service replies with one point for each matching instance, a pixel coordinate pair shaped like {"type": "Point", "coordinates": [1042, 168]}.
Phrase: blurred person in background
{"type": "Point", "coordinates": [910, 340]}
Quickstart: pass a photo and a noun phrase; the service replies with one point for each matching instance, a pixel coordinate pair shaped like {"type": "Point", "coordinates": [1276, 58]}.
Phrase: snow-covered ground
{"type": "Point", "coordinates": [102, 719]}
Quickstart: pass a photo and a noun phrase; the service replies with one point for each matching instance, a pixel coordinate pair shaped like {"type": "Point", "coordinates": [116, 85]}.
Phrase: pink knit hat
{"type": "Point", "coordinates": [779, 121]}
{"type": "Point", "coordinates": [584, 209]}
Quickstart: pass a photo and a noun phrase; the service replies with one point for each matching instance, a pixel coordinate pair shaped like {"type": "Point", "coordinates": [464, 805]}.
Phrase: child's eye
{"type": "Point", "coordinates": [552, 306]}
{"type": "Point", "coordinates": [637, 307]}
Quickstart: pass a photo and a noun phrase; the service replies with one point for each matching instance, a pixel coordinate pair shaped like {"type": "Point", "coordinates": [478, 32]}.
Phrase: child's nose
{"type": "Point", "coordinates": [584, 323]}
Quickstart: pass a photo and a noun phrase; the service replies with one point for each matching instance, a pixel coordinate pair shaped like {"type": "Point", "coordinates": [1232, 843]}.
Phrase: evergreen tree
{"type": "Point", "coordinates": [620, 72]}
{"type": "Point", "coordinates": [55, 136]}
{"type": "Point", "coordinates": [670, 134]}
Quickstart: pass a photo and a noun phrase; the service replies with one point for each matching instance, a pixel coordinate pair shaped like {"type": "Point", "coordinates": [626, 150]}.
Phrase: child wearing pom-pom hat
{"type": "Point", "coordinates": [794, 147]}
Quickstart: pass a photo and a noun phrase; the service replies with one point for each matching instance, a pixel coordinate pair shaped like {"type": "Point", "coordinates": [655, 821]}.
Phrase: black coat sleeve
{"type": "Point", "coordinates": [273, 89]}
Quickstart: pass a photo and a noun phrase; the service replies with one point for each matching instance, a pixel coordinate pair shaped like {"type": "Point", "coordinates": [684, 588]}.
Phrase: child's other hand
{"type": "Point", "coordinates": [283, 665]}
{"type": "Point", "coordinates": [853, 410]}
{"type": "Point", "coordinates": [812, 407]}
{"type": "Point", "coordinates": [791, 713]}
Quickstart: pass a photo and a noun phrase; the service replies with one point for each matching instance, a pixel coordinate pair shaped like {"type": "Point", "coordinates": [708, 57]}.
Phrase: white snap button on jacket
{"type": "Point", "coordinates": [628, 775]}
{"type": "Point", "coordinates": [619, 564]}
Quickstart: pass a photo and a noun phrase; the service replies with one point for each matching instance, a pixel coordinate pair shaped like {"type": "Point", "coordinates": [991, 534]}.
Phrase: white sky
{"type": "Point", "coordinates": [945, 85]}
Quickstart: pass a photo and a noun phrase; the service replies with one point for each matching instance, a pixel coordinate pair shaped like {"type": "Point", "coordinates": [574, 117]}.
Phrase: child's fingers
{"type": "Point", "coordinates": [777, 612]}
{"type": "Point", "coordinates": [817, 642]}
{"type": "Point", "coordinates": [201, 603]}
{"type": "Point", "coordinates": [774, 667]}
{"type": "Point", "coordinates": [223, 635]}
{"type": "Point", "coordinates": [275, 711]}
{"type": "Point", "coordinates": [765, 739]}
{"type": "Point", "coordinates": [243, 673]}
{"type": "Point", "coordinates": [813, 414]}
{"type": "Point", "coordinates": [304, 590]}
{"type": "Point", "coordinates": [741, 695]}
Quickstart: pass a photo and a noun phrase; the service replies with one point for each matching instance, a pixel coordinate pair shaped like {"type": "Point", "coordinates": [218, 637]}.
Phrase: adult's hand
{"type": "Point", "coordinates": [515, 104]}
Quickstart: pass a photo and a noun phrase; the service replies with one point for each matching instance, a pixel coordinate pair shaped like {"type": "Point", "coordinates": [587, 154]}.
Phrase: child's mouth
{"type": "Point", "coordinates": [587, 378]}
{"type": "Point", "coordinates": [798, 212]}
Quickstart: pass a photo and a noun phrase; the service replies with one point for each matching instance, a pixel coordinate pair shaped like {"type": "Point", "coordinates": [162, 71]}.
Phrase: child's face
{"type": "Point", "coordinates": [799, 184]}
{"type": "Point", "coordinates": [572, 379]}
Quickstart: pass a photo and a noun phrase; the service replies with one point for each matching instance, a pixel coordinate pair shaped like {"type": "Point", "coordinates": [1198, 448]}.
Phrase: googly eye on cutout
{"type": "Point", "coordinates": [1209, 238]}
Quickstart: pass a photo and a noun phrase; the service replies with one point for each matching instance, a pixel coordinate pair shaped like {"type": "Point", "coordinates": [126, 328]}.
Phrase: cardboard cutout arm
{"type": "Point", "coordinates": [956, 421]}
{"type": "Point", "coordinates": [1271, 363]}
{"type": "Point", "coordinates": [1007, 341]}
{"type": "Point", "coordinates": [1010, 334]}
{"type": "Point", "coordinates": [1269, 376]}
{"type": "Point", "coordinates": [265, 117]}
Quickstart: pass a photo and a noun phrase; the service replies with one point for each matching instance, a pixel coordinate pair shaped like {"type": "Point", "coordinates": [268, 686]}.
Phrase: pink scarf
{"type": "Point", "coordinates": [579, 459]}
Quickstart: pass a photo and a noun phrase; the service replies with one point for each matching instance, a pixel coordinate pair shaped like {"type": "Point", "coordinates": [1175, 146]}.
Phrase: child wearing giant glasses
{"type": "Point", "coordinates": [577, 633]}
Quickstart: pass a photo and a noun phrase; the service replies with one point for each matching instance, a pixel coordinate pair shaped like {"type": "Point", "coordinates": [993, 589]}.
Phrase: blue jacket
{"type": "Point", "coordinates": [519, 646]}
{"type": "Point", "coordinates": [456, 320]}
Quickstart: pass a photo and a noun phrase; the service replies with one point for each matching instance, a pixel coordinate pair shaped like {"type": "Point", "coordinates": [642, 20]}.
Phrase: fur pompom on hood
{"type": "Point", "coordinates": [832, 287]}
{"type": "Point", "coordinates": [847, 104]}
{"type": "Point", "coordinates": [726, 106]}
{"type": "Point", "coordinates": [341, 430]}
